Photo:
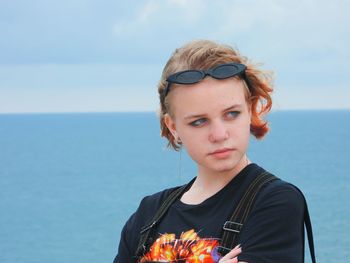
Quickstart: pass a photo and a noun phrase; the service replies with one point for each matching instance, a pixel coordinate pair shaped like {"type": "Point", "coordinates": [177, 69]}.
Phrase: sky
{"type": "Point", "coordinates": [104, 55]}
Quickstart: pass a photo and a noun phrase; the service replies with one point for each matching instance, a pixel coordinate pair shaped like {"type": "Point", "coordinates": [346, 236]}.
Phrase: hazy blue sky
{"type": "Point", "coordinates": [104, 55]}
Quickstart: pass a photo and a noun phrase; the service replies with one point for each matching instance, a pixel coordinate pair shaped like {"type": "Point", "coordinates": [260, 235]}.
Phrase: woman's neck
{"type": "Point", "coordinates": [210, 182]}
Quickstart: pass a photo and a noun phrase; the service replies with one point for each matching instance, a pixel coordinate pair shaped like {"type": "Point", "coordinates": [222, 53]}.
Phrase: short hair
{"type": "Point", "coordinates": [205, 54]}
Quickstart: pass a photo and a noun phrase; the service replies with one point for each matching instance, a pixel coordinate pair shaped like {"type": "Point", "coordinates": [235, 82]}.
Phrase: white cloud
{"type": "Point", "coordinates": [157, 14]}
{"type": "Point", "coordinates": [181, 3]}
{"type": "Point", "coordinates": [148, 10]}
{"type": "Point", "coordinates": [268, 26]}
{"type": "Point", "coordinates": [78, 88]}
{"type": "Point", "coordinates": [189, 11]}
{"type": "Point", "coordinates": [305, 42]}
{"type": "Point", "coordinates": [103, 99]}
{"type": "Point", "coordinates": [138, 21]}
{"type": "Point", "coordinates": [311, 97]}
{"type": "Point", "coordinates": [307, 23]}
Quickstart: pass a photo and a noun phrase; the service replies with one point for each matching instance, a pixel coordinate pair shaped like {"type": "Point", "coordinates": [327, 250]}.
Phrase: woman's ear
{"type": "Point", "coordinates": [249, 108]}
{"type": "Point", "coordinates": [250, 112]}
{"type": "Point", "coordinates": [170, 123]}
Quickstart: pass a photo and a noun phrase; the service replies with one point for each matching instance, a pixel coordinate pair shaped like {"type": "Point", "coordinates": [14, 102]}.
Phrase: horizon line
{"type": "Point", "coordinates": [151, 111]}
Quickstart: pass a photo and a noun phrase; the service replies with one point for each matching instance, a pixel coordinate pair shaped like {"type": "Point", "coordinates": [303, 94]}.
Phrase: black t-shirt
{"type": "Point", "coordinates": [273, 232]}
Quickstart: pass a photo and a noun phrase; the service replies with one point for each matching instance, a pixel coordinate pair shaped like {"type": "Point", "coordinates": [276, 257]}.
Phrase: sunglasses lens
{"type": "Point", "coordinates": [225, 71]}
{"type": "Point", "coordinates": [189, 77]}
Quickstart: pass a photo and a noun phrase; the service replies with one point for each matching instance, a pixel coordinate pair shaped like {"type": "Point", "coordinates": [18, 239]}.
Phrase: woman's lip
{"type": "Point", "coordinates": [221, 153]}
{"type": "Point", "coordinates": [221, 150]}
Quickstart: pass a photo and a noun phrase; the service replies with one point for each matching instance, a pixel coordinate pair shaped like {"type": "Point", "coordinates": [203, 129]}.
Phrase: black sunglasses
{"type": "Point", "coordinates": [193, 76]}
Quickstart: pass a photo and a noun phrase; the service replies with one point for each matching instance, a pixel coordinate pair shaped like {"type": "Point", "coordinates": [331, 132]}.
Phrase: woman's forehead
{"type": "Point", "coordinates": [208, 95]}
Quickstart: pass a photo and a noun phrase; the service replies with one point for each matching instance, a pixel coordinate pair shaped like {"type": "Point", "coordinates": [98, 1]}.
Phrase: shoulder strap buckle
{"type": "Point", "coordinates": [232, 226]}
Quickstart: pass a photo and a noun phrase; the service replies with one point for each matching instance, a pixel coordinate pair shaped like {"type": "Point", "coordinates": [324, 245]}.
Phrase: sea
{"type": "Point", "coordinates": [69, 182]}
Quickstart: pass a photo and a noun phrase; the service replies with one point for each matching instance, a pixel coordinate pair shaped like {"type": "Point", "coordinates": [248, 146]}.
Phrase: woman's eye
{"type": "Point", "coordinates": [233, 114]}
{"type": "Point", "coordinates": [198, 122]}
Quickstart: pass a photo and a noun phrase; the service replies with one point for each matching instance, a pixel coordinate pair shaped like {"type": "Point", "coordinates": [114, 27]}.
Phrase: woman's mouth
{"type": "Point", "coordinates": [221, 153]}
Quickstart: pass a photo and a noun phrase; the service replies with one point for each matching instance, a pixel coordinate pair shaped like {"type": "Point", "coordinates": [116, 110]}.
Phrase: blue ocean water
{"type": "Point", "coordinates": [70, 181]}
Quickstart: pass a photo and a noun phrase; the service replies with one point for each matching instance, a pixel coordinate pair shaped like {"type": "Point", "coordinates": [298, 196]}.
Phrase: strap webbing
{"type": "Point", "coordinates": [307, 222]}
{"type": "Point", "coordinates": [232, 228]}
{"type": "Point", "coordinates": [145, 232]}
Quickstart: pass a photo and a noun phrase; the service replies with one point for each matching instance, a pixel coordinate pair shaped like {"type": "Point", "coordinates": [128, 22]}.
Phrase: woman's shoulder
{"type": "Point", "coordinates": [154, 201]}
{"type": "Point", "coordinates": [282, 193]}
{"type": "Point", "coordinates": [149, 205]}
{"type": "Point", "coordinates": [143, 215]}
{"type": "Point", "coordinates": [140, 218]}
{"type": "Point", "coordinates": [281, 185]}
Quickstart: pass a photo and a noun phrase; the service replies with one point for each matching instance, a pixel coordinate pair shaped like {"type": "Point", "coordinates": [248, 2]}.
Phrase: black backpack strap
{"type": "Point", "coordinates": [310, 237]}
{"type": "Point", "coordinates": [232, 228]}
{"type": "Point", "coordinates": [145, 232]}
{"type": "Point", "coordinates": [307, 222]}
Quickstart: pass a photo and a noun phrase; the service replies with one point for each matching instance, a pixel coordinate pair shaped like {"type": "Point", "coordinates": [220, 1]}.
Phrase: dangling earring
{"type": "Point", "coordinates": [178, 140]}
{"type": "Point", "coordinates": [180, 158]}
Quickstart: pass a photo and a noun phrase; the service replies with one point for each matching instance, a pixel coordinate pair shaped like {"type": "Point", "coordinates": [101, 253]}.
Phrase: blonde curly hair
{"type": "Point", "coordinates": [205, 54]}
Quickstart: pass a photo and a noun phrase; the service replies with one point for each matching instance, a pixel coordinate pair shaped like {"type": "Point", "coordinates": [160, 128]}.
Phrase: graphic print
{"type": "Point", "coordinates": [189, 248]}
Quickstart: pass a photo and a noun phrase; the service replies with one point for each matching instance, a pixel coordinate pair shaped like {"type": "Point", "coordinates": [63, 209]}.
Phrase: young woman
{"type": "Point", "coordinates": [211, 100]}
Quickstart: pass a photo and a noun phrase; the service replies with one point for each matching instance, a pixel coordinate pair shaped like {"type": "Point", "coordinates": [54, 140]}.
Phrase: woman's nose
{"type": "Point", "coordinates": [218, 131]}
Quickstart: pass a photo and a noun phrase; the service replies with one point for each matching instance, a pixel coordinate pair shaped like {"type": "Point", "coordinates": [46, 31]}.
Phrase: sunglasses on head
{"type": "Point", "coordinates": [193, 76]}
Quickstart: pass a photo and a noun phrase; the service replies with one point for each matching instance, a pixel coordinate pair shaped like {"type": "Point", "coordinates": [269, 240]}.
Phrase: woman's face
{"type": "Point", "coordinates": [212, 119]}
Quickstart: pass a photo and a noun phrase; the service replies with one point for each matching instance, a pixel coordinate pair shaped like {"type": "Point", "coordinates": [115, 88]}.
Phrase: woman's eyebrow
{"type": "Point", "coordinates": [194, 116]}
{"type": "Point", "coordinates": [235, 106]}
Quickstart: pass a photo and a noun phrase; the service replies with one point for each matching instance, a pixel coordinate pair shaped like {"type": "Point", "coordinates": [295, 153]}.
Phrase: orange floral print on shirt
{"type": "Point", "coordinates": [189, 248]}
